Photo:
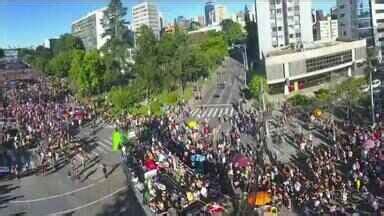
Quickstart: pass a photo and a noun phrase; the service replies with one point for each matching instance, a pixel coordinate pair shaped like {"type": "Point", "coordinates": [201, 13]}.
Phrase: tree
{"type": "Point", "coordinates": [113, 20]}
{"type": "Point", "coordinates": [66, 43]}
{"type": "Point", "coordinates": [90, 74]}
{"type": "Point", "coordinates": [75, 70]}
{"type": "Point", "coordinates": [60, 64]}
{"type": "Point", "coordinates": [194, 26]}
{"type": "Point", "coordinates": [118, 41]}
{"type": "Point", "coordinates": [257, 85]}
{"type": "Point", "coordinates": [252, 38]}
{"type": "Point", "coordinates": [232, 31]}
{"type": "Point", "coordinates": [1, 53]}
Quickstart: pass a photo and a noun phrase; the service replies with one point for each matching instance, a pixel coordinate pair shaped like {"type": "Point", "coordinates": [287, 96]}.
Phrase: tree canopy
{"type": "Point", "coordinates": [232, 31]}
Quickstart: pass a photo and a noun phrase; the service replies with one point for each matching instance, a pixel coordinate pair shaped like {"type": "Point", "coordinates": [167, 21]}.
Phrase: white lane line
{"type": "Point", "coordinates": [91, 203]}
{"type": "Point", "coordinates": [220, 112]}
{"type": "Point", "coordinates": [225, 111]}
{"type": "Point", "coordinates": [57, 195]}
{"type": "Point", "coordinates": [203, 114]}
{"type": "Point", "coordinates": [196, 113]}
{"type": "Point", "coordinates": [215, 112]}
{"type": "Point", "coordinates": [231, 112]}
{"type": "Point", "coordinates": [105, 144]}
{"type": "Point", "coordinates": [210, 113]}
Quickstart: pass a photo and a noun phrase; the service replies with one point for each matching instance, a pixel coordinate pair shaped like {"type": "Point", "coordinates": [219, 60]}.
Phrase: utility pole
{"type": "Point", "coordinates": [372, 101]}
{"type": "Point", "coordinates": [264, 108]}
{"type": "Point", "coordinates": [245, 65]}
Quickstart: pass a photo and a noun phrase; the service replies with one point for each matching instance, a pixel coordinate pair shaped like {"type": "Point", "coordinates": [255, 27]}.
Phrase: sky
{"type": "Point", "coordinates": [25, 23]}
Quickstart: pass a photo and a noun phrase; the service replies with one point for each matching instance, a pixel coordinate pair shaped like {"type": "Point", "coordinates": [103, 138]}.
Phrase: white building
{"type": "Point", "coordinates": [220, 14]}
{"type": "Point", "coordinates": [326, 29]}
{"type": "Point", "coordinates": [146, 13]}
{"type": "Point", "coordinates": [90, 30]}
{"type": "Point", "coordinates": [378, 25]}
{"type": "Point", "coordinates": [282, 23]}
{"type": "Point", "coordinates": [288, 70]}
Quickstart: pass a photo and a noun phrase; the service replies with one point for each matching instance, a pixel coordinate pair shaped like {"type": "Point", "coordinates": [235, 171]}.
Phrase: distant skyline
{"type": "Point", "coordinates": [25, 23]}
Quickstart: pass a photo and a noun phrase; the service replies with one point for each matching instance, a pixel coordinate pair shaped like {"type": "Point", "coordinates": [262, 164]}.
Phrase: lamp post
{"type": "Point", "coordinates": [372, 100]}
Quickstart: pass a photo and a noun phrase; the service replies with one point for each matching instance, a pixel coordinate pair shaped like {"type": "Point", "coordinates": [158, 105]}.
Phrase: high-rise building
{"type": "Point", "coordinates": [283, 22]}
{"type": "Point", "coordinates": [326, 29]}
{"type": "Point", "coordinates": [209, 13]}
{"type": "Point", "coordinates": [378, 25]}
{"type": "Point", "coordinates": [146, 13]}
{"type": "Point", "coordinates": [220, 14]}
{"type": "Point", "coordinates": [354, 18]}
{"type": "Point", "coordinates": [90, 30]}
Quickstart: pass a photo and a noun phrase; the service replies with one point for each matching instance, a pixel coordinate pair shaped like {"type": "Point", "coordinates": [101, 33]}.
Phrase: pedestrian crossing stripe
{"type": "Point", "coordinates": [213, 112]}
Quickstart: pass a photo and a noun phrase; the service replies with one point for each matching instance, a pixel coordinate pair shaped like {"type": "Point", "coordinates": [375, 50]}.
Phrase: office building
{"type": "Point", "coordinates": [283, 23]}
{"type": "Point", "coordinates": [354, 20]}
{"type": "Point", "coordinates": [326, 29]}
{"type": "Point", "coordinates": [220, 14]}
{"type": "Point", "coordinates": [146, 13]}
{"type": "Point", "coordinates": [288, 70]}
{"type": "Point", "coordinates": [209, 13]}
{"type": "Point", "coordinates": [378, 25]}
{"type": "Point", "coordinates": [200, 20]}
{"type": "Point", "coordinates": [90, 30]}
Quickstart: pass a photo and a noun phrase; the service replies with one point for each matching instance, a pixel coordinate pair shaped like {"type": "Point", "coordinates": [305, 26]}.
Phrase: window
{"type": "Point", "coordinates": [380, 21]}
{"type": "Point", "coordinates": [279, 28]}
{"type": "Point", "coordinates": [342, 15]}
{"type": "Point", "coordinates": [323, 62]}
{"type": "Point", "coordinates": [379, 11]}
{"type": "Point", "coordinates": [380, 30]}
{"type": "Point", "coordinates": [290, 35]}
{"type": "Point", "coordinates": [341, 6]}
{"type": "Point", "coordinates": [278, 11]}
{"type": "Point", "coordinates": [274, 29]}
{"type": "Point", "coordinates": [298, 34]}
{"type": "Point", "coordinates": [381, 39]}
{"type": "Point", "coordinates": [379, 1]}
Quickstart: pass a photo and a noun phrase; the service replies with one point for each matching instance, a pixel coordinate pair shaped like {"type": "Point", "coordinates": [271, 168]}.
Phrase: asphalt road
{"type": "Point", "coordinates": [58, 194]}
{"type": "Point", "coordinates": [218, 100]}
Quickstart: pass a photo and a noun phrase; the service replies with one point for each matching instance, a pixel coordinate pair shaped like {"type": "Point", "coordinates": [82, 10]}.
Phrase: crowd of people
{"type": "Point", "coordinates": [180, 165]}
{"type": "Point", "coordinates": [40, 118]}
{"type": "Point", "coordinates": [343, 175]}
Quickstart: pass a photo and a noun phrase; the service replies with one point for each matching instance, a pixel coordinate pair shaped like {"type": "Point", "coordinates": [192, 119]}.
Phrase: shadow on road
{"type": "Point", "coordinates": [5, 196]}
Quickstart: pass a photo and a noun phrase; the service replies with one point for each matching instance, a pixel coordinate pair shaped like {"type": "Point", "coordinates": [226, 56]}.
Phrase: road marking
{"type": "Point", "coordinates": [91, 203]}
{"type": "Point", "coordinates": [214, 112]}
{"type": "Point", "coordinates": [231, 112]}
{"type": "Point", "coordinates": [220, 112]}
{"type": "Point", "coordinates": [194, 112]}
{"type": "Point", "coordinates": [197, 113]}
{"type": "Point", "coordinates": [213, 105]}
{"type": "Point", "coordinates": [209, 113]}
{"type": "Point", "coordinates": [203, 113]}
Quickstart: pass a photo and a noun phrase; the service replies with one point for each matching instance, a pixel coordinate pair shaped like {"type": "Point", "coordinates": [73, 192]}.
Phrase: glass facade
{"type": "Point", "coordinates": [363, 22]}
{"type": "Point", "coordinates": [323, 62]}
{"type": "Point", "coordinates": [209, 13]}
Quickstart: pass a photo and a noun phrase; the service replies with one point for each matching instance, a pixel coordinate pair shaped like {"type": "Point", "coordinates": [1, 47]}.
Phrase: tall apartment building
{"type": "Point", "coordinates": [220, 14]}
{"type": "Point", "coordinates": [378, 24]}
{"type": "Point", "coordinates": [209, 13]}
{"type": "Point", "coordinates": [146, 13]}
{"type": "Point", "coordinates": [354, 20]}
{"type": "Point", "coordinates": [326, 29]}
{"type": "Point", "coordinates": [283, 22]}
{"type": "Point", "coordinates": [90, 30]}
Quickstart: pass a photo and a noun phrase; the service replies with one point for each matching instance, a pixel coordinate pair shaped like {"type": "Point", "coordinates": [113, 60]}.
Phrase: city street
{"type": "Point", "coordinates": [58, 194]}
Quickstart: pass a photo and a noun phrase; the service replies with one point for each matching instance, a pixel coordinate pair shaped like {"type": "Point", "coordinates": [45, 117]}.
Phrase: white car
{"type": "Point", "coordinates": [375, 84]}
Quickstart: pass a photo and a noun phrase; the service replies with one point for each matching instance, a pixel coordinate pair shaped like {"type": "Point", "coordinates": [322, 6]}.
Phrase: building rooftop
{"type": "Point", "coordinates": [304, 47]}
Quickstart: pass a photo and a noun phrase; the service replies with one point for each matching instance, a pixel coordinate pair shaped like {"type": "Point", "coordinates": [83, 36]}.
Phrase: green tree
{"type": "Point", "coordinates": [91, 73]}
{"type": "Point", "coordinates": [252, 39]}
{"type": "Point", "coordinates": [75, 70]}
{"type": "Point", "coordinates": [67, 43]}
{"type": "Point", "coordinates": [214, 48]}
{"type": "Point", "coordinates": [257, 85]}
{"type": "Point", "coordinates": [60, 64]}
{"type": "Point", "coordinates": [1, 53]}
{"type": "Point", "coordinates": [194, 26]}
{"type": "Point", "coordinates": [118, 41]}
{"type": "Point", "coordinates": [232, 31]}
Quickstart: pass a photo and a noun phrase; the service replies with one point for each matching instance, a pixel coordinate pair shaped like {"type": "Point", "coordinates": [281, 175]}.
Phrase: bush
{"type": "Point", "coordinates": [300, 100]}
{"type": "Point", "coordinates": [323, 95]}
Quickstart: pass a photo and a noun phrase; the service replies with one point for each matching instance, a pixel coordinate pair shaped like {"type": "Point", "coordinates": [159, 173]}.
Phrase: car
{"type": "Point", "coordinates": [375, 84]}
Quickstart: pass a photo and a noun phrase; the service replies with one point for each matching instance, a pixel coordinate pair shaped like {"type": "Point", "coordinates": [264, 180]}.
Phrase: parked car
{"type": "Point", "coordinates": [375, 84]}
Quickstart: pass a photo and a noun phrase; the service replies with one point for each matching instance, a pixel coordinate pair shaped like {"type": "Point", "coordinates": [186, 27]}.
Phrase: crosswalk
{"type": "Point", "coordinates": [103, 146]}
{"type": "Point", "coordinates": [212, 112]}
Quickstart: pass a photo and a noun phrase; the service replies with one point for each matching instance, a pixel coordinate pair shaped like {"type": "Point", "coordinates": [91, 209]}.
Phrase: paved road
{"type": "Point", "coordinates": [57, 194]}
{"type": "Point", "coordinates": [218, 101]}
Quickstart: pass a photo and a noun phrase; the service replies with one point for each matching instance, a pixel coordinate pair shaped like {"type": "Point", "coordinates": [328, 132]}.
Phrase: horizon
{"type": "Point", "coordinates": [30, 23]}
